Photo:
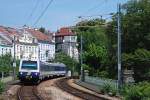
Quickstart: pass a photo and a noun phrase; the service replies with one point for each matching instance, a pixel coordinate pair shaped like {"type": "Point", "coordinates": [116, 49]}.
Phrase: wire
{"type": "Point", "coordinates": [96, 15]}
{"type": "Point", "coordinates": [96, 6]}
{"type": "Point", "coordinates": [50, 2]}
{"type": "Point", "coordinates": [32, 12]}
{"type": "Point", "coordinates": [108, 18]}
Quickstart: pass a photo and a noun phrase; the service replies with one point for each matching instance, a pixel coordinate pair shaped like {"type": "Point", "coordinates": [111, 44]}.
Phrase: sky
{"type": "Point", "coordinates": [61, 13]}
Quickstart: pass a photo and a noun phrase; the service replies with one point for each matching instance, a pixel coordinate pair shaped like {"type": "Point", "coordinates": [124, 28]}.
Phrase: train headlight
{"type": "Point", "coordinates": [21, 73]}
{"type": "Point", "coordinates": [36, 74]}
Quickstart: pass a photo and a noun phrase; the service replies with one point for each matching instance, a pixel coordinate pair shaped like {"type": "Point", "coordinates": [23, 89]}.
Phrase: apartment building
{"type": "Point", "coordinates": [66, 41]}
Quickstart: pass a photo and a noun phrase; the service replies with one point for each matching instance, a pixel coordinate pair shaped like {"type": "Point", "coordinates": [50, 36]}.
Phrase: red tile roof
{"type": "Point", "coordinates": [8, 30]}
{"type": "Point", "coordinates": [39, 35]}
{"type": "Point", "coordinates": [65, 32]}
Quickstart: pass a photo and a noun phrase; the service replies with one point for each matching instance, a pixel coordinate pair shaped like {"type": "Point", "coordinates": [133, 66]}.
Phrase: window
{"type": "Point", "coordinates": [6, 50]}
{"type": "Point", "coordinates": [20, 48]}
{"type": "Point", "coordinates": [17, 48]}
{"type": "Point", "coordinates": [32, 65]}
{"type": "Point", "coordinates": [29, 49]}
{"type": "Point", "coordinates": [35, 49]}
{"type": "Point", "coordinates": [10, 51]}
{"type": "Point", "coordinates": [2, 50]}
{"type": "Point", "coordinates": [73, 38]}
{"type": "Point", "coordinates": [32, 49]}
{"type": "Point", "coordinates": [26, 49]}
{"type": "Point", "coordinates": [23, 48]}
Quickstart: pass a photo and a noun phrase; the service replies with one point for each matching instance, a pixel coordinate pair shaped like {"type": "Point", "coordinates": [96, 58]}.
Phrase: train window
{"type": "Point", "coordinates": [57, 68]}
{"type": "Point", "coordinates": [32, 65]}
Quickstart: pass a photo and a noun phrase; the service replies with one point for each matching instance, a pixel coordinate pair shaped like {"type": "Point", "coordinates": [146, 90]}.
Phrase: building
{"type": "Point", "coordinates": [22, 43]}
{"type": "Point", "coordinates": [28, 43]}
{"type": "Point", "coordinates": [66, 41]}
{"type": "Point", "coordinates": [5, 45]}
{"type": "Point", "coordinates": [46, 45]}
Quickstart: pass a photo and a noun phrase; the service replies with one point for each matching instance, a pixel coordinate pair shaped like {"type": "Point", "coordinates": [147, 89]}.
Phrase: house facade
{"type": "Point", "coordinates": [5, 45]}
{"type": "Point", "coordinates": [27, 43]}
{"type": "Point", "coordinates": [46, 45]}
{"type": "Point", "coordinates": [66, 41]}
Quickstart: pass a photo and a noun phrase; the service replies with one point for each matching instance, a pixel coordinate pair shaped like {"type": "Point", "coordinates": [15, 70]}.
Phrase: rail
{"type": "Point", "coordinates": [63, 84]}
{"type": "Point", "coordinates": [28, 93]}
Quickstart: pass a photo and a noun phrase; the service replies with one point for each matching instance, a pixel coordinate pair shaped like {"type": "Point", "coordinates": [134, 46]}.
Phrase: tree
{"type": "Point", "coordinates": [42, 29]}
{"type": "Point", "coordinates": [95, 45]}
{"type": "Point", "coordinates": [142, 64]}
{"type": "Point", "coordinates": [71, 63]}
{"type": "Point", "coordinates": [95, 56]}
{"type": "Point", "coordinates": [136, 36]}
{"type": "Point", "coordinates": [135, 25]}
{"type": "Point", "coordinates": [135, 22]}
{"type": "Point", "coordinates": [5, 63]}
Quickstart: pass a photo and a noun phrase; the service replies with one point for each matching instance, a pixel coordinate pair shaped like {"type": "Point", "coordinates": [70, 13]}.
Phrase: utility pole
{"type": "Point", "coordinates": [14, 59]}
{"type": "Point", "coordinates": [73, 59]}
{"type": "Point", "coordinates": [119, 48]}
{"type": "Point", "coordinates": [81, 60]}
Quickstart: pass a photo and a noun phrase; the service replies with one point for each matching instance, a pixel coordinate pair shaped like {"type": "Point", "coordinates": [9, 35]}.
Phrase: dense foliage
{"type": "Point", "coordinates": [1, 87]}
{"type": "Point", "coordinates": [135, 22]}
{"type": "Point", "coordinates": [5, 63]}
{"type": "Point", "coordinates": [140, 91]}
{"type": "Point", "coordinates": [95, 46]}
{"type": "Point", "coordinates": [136, 36]}
{"type": "Point", "coordinates": [108, 89]}
{"type": "Point", "coordinates": [135, 25]}
{"type": "Point", "coordinates": [71, 63]}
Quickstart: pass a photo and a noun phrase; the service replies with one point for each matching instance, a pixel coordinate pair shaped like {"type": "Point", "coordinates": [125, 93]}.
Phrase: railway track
{"type": "Point", "coordinates": [28, 93]}
{"type": "Point", "coordinates": [62, 84]}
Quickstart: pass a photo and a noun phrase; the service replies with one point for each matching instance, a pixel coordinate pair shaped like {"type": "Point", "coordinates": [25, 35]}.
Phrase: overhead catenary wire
{"type": "Point", "coordinates": [41, 15]}
{"type": "Point", "coordinates": [94, 7]}
{"type": "Point", "coordinates": [32, 12]}
{"type": "Point", "coordinates": [95, 15]}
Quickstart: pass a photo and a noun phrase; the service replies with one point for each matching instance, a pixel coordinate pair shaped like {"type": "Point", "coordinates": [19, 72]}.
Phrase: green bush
{"type": "Point", "coordinates": [140, 91]}
{"type": "Point", "coordinates": [1, 87]}
{"type": "Point", "coordinates": [108, 89]}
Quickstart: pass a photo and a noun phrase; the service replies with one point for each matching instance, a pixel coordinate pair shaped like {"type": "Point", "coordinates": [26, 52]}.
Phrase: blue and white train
{"type": "Point", "coordinates": [35, 70]}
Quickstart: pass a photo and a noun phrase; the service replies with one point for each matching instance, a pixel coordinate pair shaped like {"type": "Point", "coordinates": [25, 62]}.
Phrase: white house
{"type": "Point", "coordinates": [45, 44]}
{"type": "Point", "coordinates": [27, 43]}
{"type": "Point", "coordinates": [66, 41]}
{"type": "Point", "coordinates": [5, 45]}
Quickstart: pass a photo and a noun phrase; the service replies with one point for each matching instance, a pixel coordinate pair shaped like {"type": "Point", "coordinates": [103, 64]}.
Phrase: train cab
{"type": "Point", "coordinates": [28, 70]}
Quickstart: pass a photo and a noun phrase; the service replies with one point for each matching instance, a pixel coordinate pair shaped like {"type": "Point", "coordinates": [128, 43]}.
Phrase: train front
{"type": "Point", "coordinates": [29, 71]}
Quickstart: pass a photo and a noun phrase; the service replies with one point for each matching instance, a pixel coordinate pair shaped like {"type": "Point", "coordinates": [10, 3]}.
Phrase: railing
{"type": "Point", "coordinates": [100, 81]}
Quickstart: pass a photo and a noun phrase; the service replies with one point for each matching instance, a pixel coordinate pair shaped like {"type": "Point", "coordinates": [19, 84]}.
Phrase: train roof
{"type": "Point", "coordinates": [55, 64]}
{"type": "Point", "coordinates": [46, 63]}
{"type": "Point", "coordinates": [58, 64]}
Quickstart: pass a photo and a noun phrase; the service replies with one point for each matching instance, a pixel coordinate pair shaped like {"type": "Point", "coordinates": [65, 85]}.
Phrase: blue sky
{"type": "Point", "coordinates": [15, 13]}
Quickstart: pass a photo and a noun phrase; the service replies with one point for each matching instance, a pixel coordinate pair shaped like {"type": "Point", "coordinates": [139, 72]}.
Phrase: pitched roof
{"type": "Point", "coordinates": [5, 39]}
{"type": "Point", "coordinates": [8, 30]}
{"type": "Point", "coordinates": [65, 31]}
{"type": "Point", "coordinates": [39, 35]}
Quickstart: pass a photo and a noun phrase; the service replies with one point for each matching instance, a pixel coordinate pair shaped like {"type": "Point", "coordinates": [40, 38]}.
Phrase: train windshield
{"type": "Point", "coordinates": [32, 65]}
